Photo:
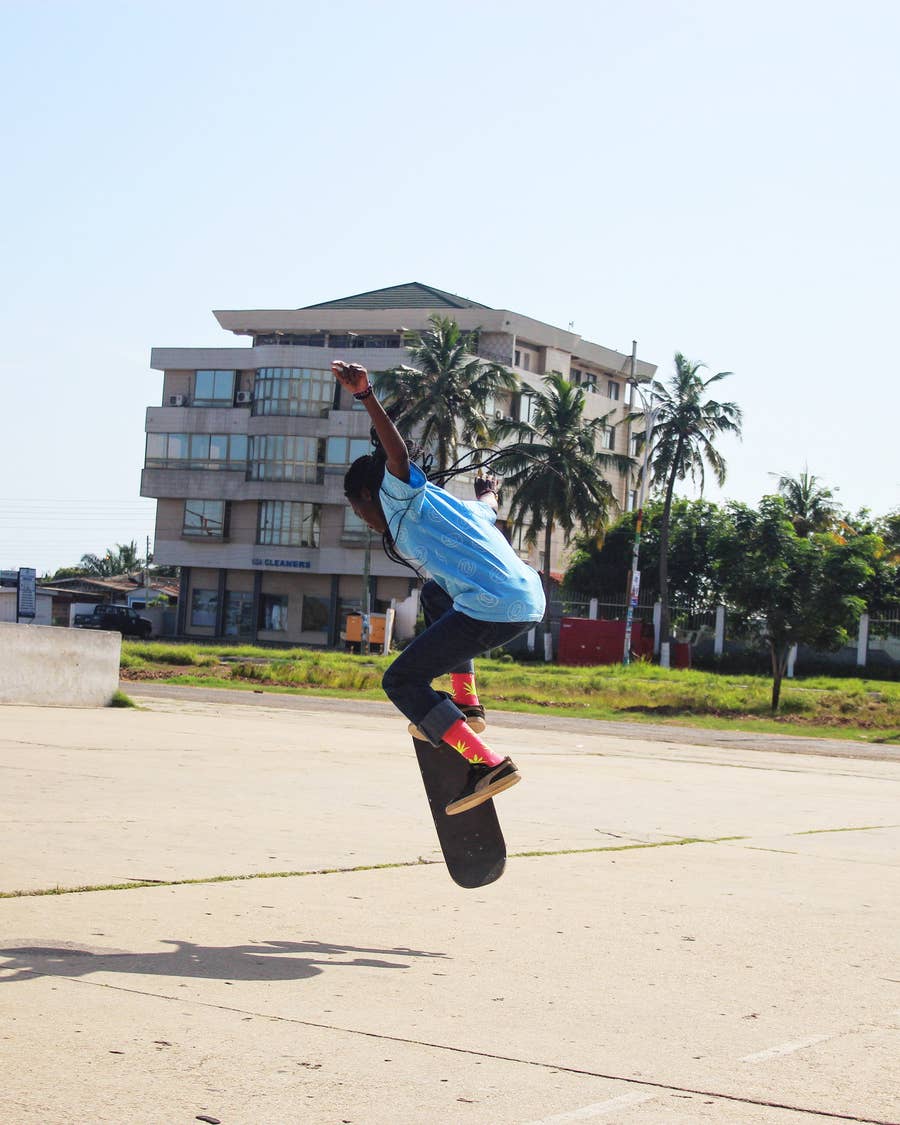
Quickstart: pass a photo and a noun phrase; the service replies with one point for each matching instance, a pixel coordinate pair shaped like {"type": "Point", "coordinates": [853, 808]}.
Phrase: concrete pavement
{"type": "Point", "coordinates": [751, 979]}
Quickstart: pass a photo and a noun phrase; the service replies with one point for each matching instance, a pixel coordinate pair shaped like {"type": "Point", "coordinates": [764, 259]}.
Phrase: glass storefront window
{"type": "Point", "coordinates": [204, 604]}
{"type": "Point", "coordinates": [315, 614]}
{"type": "Point", "coordinates": [238, 614]}
{"type": "Point", "coordinates": [273, 612]}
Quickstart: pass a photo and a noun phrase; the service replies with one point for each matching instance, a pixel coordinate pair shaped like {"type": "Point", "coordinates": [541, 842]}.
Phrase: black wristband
{"type": "Point", "coordinates": [360, 395]}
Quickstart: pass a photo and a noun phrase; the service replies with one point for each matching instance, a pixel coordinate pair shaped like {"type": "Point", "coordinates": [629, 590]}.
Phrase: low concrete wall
{"type": "Point", "coordinates": [58, 667]}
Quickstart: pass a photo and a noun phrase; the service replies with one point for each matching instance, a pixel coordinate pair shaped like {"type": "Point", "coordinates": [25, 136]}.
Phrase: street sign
{"type": "Point", "coordinates": [26, 599]}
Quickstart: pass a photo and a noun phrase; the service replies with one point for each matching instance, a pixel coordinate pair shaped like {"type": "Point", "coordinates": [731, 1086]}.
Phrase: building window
{"type": "Point", "coordinates": [313, 340]}
{"type": "Point", "coordinates": [273, 613]}
{"type": "Point", "coordinates": [353, 524]}
{"type": "Point", "coordinates": [576, 375]}
{"type": "Point", "coordinates": [238, 614]}
{"type": "Point", "coordinates": [589, 382]}
{"type": "Point", "coordinates": [635, 444]}
{"type": "Point", "coordinates": [361, 340]}
{"type": "Point", "coordinates": [631, 497]}
{"type": "Point", "coordinates": [204, 606]}
{"type": "Point", "coordinates": [314, 616]}
{"type": "Point", "coordinates": [197, 451]}
{"type": "Point", "coordinates": [613, 390]}
{"type": "Point", "coordinates": [608, 437]}
{"type": "Point", "coordinates": [346, 607]}
{"type": "Point", "coordinates": [517, 538]}
{"type": "Point", "coordinates": [205, 519]}
{"type": "Point", "coordinates": [340, 452]}
{"type": "Point", "coordinates": [288, 523]}
{"type": "Point", "coordinates": [214, 388]}
{"type": "Point", "coordinates": [280, 457]}
{"type": "Point", "coordinates": [306, 392]}
{"type": "Point", "coordinates": [527, 408]}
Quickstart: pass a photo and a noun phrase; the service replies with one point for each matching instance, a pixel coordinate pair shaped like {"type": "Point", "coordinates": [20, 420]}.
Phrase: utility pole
{"type": "Point", "coordinates": [366, 599]}
{"type": "Point", "coordinates": [147, 574]}
{"type": "Point", "coordinates": [635, 583]}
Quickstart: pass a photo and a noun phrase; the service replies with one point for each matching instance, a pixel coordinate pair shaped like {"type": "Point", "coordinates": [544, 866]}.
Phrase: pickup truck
{"type": "Point", "coordinates": [118, 618]}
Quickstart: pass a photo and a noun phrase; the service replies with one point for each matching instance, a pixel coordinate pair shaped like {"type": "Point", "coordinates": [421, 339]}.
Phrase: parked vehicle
{"type": "Point", "coordinates": [117, 618]}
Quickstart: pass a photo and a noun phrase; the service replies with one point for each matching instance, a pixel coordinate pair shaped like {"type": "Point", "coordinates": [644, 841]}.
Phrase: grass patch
{"type": "Point", "coordinates": [867, 710]}
{"type": "Point", "coordinates": [120, 699]}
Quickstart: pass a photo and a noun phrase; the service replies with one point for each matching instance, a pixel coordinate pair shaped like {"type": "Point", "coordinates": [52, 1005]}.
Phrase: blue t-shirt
{"type": "Point", "coordinates": [456, 543]}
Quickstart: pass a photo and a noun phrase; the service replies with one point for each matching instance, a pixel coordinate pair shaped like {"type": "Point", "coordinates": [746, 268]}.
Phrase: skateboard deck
{"type": "Point", "coordinates": [472, 841]}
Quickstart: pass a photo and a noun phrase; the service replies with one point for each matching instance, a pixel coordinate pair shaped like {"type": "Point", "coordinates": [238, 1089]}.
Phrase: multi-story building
{"type": "Point", "coordinates": [246, 454]}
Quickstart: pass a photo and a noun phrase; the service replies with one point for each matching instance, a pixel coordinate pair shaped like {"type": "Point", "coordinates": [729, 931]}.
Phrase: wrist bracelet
{"type": "Point", "coordinates": [360, 395]}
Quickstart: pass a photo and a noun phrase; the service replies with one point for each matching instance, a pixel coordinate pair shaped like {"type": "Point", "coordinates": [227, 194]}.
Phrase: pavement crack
{"type": "Point", "coordinates": [140, 884]}
{"type": "Point", "coordinates": [828, 1115]}
{"type": "Point", "coordinates": [862, 828]}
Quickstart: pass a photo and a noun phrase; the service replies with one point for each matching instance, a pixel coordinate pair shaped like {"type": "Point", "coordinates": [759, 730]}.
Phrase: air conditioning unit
{"type": "Point", "coordinates": [177, 400]}
{"type": "Point", "coordinates": [498, 414]}
{"type": "Point", "coordinates": [244, 398]}
{"type": "Point", "coordinates": [508, 418]}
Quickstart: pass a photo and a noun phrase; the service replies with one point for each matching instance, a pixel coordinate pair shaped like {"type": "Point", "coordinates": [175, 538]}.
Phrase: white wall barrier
{"type": "Point", "coordinates": [58, 667]}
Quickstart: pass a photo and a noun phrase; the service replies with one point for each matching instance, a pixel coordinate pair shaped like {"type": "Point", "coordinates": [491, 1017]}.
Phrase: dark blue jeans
{"type": "Point", "coordinates": [449, 644]}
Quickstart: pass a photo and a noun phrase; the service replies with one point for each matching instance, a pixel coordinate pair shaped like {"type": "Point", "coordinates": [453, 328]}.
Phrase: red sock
{"type": "Point", "coordinates": [464, 688]}
{"type": "Point", "coordinates": [462, 738]}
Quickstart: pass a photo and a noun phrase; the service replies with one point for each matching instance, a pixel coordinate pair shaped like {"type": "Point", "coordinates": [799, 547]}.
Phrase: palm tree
{"type": "Point", "coordinates": [555, 469]}
{"type": "Point", "coordinates": [811, 506]}
{"type": "Point", "coordinates": [119, 560]}
{"type": "Point", "coordinates": [445, 396]}
{"type": "Point", "coordinates": [683, 434]}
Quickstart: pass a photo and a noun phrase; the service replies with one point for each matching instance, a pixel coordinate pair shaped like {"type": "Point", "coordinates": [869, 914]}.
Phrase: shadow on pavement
{"type": "Point", "coordinates": [257, 961]}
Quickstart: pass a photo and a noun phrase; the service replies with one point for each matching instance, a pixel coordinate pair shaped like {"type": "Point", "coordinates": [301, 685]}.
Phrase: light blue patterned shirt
{"type": "Point", "coordinates": [456, 544]}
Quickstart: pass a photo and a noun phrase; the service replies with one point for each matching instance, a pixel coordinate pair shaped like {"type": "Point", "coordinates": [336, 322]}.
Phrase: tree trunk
{"type": "Point", "coordinates": [779, 667]}
{"type": "Point", "coordinates": [665, 623]}
{"type": "Point", "coordinates": [548, 532]}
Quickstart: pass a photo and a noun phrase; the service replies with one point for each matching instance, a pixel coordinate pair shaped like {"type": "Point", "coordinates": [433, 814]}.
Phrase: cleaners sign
{"type": "Point", "coordinates": [295, 564]}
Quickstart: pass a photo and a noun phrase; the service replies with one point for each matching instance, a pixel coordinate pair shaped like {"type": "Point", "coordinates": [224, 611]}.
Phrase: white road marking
{"type": "Point", "coordinates": [786, 1048]}
{"type": "Point", "coordinates": [595, 1110]}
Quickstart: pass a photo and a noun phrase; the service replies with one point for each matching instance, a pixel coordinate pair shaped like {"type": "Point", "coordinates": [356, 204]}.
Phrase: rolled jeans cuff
{"type": "Point", "coordinates": [439, 720]}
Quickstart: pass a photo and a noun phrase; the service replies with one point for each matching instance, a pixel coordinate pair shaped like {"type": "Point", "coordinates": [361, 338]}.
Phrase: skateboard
{"type": "Point", "coordinates": [472, 842]}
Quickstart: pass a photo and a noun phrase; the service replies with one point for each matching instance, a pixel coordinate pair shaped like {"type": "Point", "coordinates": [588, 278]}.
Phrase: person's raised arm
{"type": "Point", "coordinates": [355, 378]}
{"type": "Point", "coordinates": [486, 491]}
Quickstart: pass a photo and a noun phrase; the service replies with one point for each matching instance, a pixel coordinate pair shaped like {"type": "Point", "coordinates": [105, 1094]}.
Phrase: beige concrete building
{"type": "Point", "coordinates": [247, 451]}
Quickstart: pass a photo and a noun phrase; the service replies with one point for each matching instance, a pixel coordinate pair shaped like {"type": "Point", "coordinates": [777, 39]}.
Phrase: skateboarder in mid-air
{"type": "Point", "coordinates": [482, 594]}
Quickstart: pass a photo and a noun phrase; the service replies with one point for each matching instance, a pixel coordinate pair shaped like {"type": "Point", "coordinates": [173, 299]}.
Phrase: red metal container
{"type": "Point", "coordinates": [582, 640]}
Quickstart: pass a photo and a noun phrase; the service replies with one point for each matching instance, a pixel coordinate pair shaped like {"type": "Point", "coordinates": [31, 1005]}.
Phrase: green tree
{"type": "Point", "coordinates": [683, 440]}
{"type": "Point", "coordinates": [802, 589]}
{"type": "Point", "coordinates": [121, 559]}
{"type": "Point", "coordinates": [810, 504]}
{"type": "Point", "coordinates": [598, 568]}
{"type": "Point", "coordinates": [882, 590]}
{"type": "Point", "coordinates": [445, 397]}
{"type": "Point", "coordinates": [65, 572]}
{"type": "Point", "coordinates": [555, 469]}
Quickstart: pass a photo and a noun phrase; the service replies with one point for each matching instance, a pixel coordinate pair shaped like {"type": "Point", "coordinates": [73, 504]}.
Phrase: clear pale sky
{"type": "Point", "coordinates": [704, 177]}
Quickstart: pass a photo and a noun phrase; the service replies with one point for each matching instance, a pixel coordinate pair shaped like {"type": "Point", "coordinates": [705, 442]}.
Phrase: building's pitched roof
{"type": "Point", "coordinates": [117, 584]}
{"type": "Point", "coordinates": [412, 295]}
